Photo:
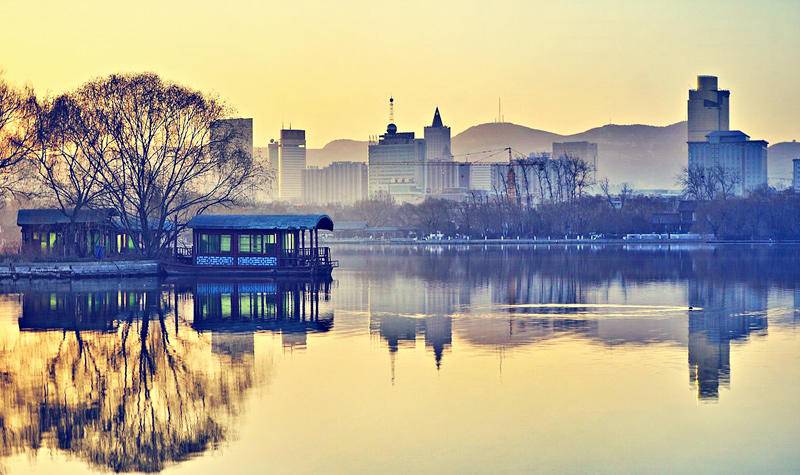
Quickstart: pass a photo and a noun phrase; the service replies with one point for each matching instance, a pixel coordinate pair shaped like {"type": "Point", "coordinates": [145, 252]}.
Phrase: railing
{"type": "Point", "coordinates": [309, 256]}
{"type": "Point", "coordinates": [301, 257]}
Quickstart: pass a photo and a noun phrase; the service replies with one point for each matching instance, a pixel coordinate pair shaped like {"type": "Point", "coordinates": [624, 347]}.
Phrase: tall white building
{"type": "Point", "coordinates": [291, 163]}
{"type": "Point", "coordinates": [437, 140]}
{"type": "Point", "coordinates": [709, 109]}
{"type": "Point", "coordinates": [397, 166]}
{"type": "Point", "coordinates": [480, 177]}
{"type": "Point", "coordinates": [744, 161]}
{"type": "Point", "coordinates": [586, 151]}
{"type": "Point", "coordinates": [338, 183]}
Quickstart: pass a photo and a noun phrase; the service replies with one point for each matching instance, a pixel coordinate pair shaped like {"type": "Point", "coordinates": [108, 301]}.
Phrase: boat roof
{"type": "Point", "coordinates": [57, 216]}
{"type": "Point", "coordinates": [261, 221]}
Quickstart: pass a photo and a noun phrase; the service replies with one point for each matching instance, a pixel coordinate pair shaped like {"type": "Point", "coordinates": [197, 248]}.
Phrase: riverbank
{"type": "Point", "coordinates": [511, 242]}
{"type": "Point", "coordinates": [79, 269]}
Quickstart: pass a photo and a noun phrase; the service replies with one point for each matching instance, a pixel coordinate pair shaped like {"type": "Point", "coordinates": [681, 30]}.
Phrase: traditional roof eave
{"type": "Point", "coordinates": [256, 222]}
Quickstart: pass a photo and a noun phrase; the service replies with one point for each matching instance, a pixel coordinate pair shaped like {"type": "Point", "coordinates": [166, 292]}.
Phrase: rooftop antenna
{"type": "Point", "coordinates": [499, 110]}
{"type": "Point", "coordinates": [391, 110]}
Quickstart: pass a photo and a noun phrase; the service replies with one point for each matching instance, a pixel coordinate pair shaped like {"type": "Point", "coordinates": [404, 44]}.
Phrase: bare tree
{"type": "Point", "coordinates": [18, 137]}
{"type": "Point", "coordinates": [709, 183]}
{"type": "Point", "coordinates": [625, 193]}
{"type": "Point", "coordinates": [163, 163]}
{"type": "Point", "coordinates": [72, 150]}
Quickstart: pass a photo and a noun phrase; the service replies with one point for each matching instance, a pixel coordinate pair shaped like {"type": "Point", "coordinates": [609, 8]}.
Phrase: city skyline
{"type": "Point", "coordinates": [282, 64]}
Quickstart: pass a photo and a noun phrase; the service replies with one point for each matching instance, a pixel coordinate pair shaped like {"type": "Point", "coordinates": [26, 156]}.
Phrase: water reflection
{"type": "Point", "coordinates": [115, 374]}
{"type": "Point", "coordinates": [140, 374]}
{"type": "Point", "coordinates": [291, 308]}
{"type": "Point", "coordinates": [702, 298]}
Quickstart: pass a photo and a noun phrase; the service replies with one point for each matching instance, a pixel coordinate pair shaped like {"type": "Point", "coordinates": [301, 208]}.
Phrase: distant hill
{"type": "Point", "coordinates": [648, 156]}
{"type": "Point", "coordinates": [779, 163]}
{"type": "Point", "coordinates": [342, 150]}
{"type": "Point", "coordinates": [645, 155]}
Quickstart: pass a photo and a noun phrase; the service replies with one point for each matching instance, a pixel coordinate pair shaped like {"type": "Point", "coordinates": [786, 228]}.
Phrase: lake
{"type": "Point", "coordinates": [638, 358]}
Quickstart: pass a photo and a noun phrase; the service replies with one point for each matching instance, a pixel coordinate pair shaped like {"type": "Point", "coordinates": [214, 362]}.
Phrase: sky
{"type": "Point", "coordinates": [330, 66]}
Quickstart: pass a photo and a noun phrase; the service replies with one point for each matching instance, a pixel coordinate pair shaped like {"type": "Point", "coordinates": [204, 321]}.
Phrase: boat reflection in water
{"type": "Point", "coordinates": [291, 307]}
{"type": "Point", "coordinates": [122, 376]}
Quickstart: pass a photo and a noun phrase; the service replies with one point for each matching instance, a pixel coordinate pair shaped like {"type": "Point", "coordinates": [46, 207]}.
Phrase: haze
{"type": "Point", "coordinates": [329, 67]}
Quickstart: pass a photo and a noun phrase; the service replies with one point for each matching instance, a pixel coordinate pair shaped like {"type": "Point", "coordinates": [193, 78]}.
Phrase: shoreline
{"type": "Point", "coordinates": [79, 269]}
{"type": "Point", "coordinates": [562, 242]}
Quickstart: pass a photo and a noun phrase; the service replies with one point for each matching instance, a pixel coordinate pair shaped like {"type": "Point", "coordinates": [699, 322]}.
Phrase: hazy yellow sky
{"type": "Point", "coordinates": [329, 66]}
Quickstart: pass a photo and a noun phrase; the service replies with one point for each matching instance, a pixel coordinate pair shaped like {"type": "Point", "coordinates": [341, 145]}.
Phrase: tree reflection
{"type": "Point", "coordinates": [117, 379]}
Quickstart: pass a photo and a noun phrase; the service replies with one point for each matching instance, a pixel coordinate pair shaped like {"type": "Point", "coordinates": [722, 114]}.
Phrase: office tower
{"type": "Point", "coordinates": [709, 109]}
{"type": "Point", "coordinates": [338, 183]}
{"type": "Point", "coordinates": [273, 153]}
{"type": "Point", "coordinates": [733, 156]}
{"type": "Point", "coordinates": [396, 166]}
{"type": "Point", "coordinates": [437, 140]}
{"type": "Point", "coordinates": [586, 151]}
{"type": "Point", "coordinates": [235, 134]}
{"type": "Point", "coordinates": [796, 175]}
{"type": "Point", "coordinates": [291, 163]}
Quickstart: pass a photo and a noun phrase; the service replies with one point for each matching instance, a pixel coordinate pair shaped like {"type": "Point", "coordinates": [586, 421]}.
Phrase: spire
{"type": "Point", "coordinates": [437, 119]}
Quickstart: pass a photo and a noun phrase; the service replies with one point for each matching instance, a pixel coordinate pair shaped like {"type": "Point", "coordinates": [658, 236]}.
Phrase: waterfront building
{"type": "Point", "coordinates": [796, 175]}
{"type": "Point", "coordinates": [743, 161]}
{"type": "Point", "coordinates": [291, 163]}
{"type": "Point", "coordinates": [338, 183]}
{"type": "Point", "coordinates": [97, 232]}
{"type": "Point", "coordinates": [708, 109]}
{"type": "Point", "coordinates": [397, 166]}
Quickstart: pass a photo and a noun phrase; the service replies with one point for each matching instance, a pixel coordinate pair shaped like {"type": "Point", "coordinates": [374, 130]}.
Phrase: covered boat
{"type": "Point", "coordinates": [224, 244]}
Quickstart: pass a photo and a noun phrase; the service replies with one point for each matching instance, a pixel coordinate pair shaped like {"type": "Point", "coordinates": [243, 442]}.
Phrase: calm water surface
{"type": "Point", "coordinates": [516, 359]}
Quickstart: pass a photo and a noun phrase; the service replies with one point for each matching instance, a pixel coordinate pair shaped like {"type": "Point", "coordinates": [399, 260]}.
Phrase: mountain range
{"type": "Point", "coordinates": [645, 155]}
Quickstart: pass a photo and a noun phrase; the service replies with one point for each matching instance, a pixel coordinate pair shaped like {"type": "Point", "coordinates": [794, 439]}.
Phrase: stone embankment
{"type": "Point", "coordinates": [76, 270]}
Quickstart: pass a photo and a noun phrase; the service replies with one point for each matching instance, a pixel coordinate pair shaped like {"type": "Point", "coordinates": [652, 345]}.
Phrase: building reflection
{"type": "Point", "coordinates": [506, 299]}
{"type": "Point", "coordinates": [728, 312]}
{"type": "Point", "coordinates": [115, 375]}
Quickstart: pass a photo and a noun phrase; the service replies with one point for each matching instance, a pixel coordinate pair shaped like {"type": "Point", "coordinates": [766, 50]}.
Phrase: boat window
{"type": "Point", "coordinates": [225, 243]}
{"type": "Point", "coordinates": [288, 242]}
{"type": "Point", "coordinates": [251, 244]}
{"type": "Point", "coordinates": [209, 244]}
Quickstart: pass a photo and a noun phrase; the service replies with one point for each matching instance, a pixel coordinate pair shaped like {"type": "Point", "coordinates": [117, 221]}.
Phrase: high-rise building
{"type": "Point", "coordinates": [396, 166]}
{"type": "Point", "coordinates": [441, 173]}
{"type": "Point", "coordinates": [586, 151]}
{"type": "Point", "coordinates": [796, 175]}
{"type": "Point", "coordinates": [338, 183]}
{"type": "Point", "coordinates": [731, 156]}
{"type": "Point", "coordinates": [437, 140]}
{"type": "Point", "coordinates": [709, 109]}
{"type": "Point", "coordinates": [291, 163]}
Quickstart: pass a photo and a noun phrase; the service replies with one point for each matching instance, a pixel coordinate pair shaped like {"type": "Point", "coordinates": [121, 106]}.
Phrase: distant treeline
{"type": "Point", "coordinates": [765, 214]}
